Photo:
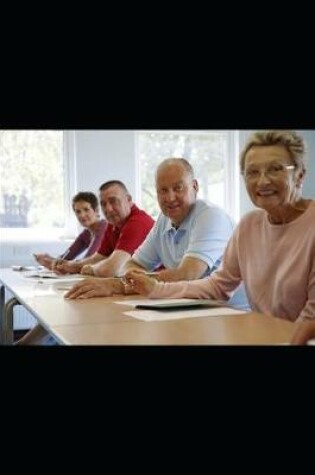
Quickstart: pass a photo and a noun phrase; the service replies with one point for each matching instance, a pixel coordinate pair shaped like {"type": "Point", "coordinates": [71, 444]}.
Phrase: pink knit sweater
{"type": "Point", "coordinates": [275, 262]}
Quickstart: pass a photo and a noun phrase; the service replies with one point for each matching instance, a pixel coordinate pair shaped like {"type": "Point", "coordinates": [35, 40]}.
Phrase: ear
{"type": "Point", "coordinates": [300, 178]}
{"type": "Point", "coordinates": [129, 197]}
{"type": "Point", "coordinates": [195, 185]}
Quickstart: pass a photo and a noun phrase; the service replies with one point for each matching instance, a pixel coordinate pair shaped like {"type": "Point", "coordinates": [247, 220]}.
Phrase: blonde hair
{"type": "Point", "coordinates": [294, 143]}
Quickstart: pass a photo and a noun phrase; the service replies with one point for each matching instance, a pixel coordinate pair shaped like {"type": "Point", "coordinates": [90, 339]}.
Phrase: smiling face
{"type": "Point", "coordinates": [85, 213]}
{"type": "Point", "coordinates": [176, 191]}
{"type": "Point", "coordinates": [272, 180]}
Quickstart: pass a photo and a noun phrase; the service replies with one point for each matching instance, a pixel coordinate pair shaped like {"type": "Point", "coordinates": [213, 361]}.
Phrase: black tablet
{"type": "Point", "coordinates": [188, 305]}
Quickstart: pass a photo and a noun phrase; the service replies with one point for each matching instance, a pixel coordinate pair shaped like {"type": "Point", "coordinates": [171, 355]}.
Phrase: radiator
{"type": "Point", "coordinates": [22, 319]}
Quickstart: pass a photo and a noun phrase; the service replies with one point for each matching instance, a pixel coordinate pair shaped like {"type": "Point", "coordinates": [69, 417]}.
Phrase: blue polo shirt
{"type": "Point", "coordinates": [203, 234]}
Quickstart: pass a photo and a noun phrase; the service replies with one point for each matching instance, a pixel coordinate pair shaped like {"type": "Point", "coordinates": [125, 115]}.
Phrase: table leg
{"type": "Point", "coordinates": [8, 320]}
{"type": "Point", "coordinates": [2, 302]}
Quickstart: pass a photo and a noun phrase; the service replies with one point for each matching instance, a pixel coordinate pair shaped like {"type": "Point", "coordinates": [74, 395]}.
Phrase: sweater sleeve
{"type": "Point", "coordinates": [308, 311]}
{"type": "Point", "coordinates": [198, 289]}
{"type": "Point", "coordinates": [80, 244]}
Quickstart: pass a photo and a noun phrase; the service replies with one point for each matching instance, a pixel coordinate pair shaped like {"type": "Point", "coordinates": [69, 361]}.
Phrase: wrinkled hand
{"type": "Point", "coordinates": [305, 331]}
{"type": "Point", "coordinates": [88, 288]}
{"type": "Point", "coordinates": [139, 282]}
{"type": "Point", "coordinates": [87, 270]}
{"type": "Point", "coordinates": [44, 260]}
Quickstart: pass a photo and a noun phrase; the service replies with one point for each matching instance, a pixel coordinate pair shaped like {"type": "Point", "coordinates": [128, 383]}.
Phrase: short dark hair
{"type": "Point", "coordinates": [87, 196]}
{"type": "Point", "coordinates": [109, 183]}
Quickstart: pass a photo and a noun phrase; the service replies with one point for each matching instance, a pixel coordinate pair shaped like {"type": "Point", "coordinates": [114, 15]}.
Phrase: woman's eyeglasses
{"type": "Point", "coordinates": [273, 171]}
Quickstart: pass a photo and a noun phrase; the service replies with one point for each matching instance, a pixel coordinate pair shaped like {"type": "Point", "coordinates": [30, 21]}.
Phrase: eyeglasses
{"type": "Point", "coordinates": [274, 171]}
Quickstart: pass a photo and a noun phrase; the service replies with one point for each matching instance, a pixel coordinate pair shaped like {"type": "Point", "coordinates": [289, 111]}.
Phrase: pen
{"type": "Point", "coordinates": [62, 258]}
{"type": "Point", "coordinates": [149, 274]}
{"type": "Point", "coordinates": [125, 281]}
{"type": "Point", "coordinates": [65, 255]}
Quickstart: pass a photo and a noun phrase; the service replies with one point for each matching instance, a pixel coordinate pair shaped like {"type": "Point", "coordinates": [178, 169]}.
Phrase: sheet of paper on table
{"type": "Point", "coordinates": [186, 308]}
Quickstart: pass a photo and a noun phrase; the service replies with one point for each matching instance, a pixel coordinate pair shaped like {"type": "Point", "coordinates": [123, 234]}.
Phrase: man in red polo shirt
{"type": "Point", "coordinates": [127, 228]}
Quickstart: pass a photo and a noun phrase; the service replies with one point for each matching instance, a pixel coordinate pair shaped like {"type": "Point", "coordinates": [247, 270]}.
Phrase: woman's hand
{"type": "Point", "coordinates": [44, 260]}
{"type": "Point", "coordinates": [139, 282]}
{"type": "Point", "coordinates": [304, 332]}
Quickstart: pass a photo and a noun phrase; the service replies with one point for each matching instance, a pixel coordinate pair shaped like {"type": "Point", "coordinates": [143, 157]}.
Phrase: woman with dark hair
{"type": "Point", "coordinates": [86, 208]}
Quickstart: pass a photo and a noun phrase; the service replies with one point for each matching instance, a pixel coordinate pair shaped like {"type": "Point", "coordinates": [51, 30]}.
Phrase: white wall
{"type": "Point", "coordinates": [104, 155]}
{"type": "Point", "coordinates": [309, 183]}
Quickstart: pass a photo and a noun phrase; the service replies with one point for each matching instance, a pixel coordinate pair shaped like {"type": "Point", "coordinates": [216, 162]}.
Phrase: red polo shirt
{"type": "Point", "coordinates": [131, 234]}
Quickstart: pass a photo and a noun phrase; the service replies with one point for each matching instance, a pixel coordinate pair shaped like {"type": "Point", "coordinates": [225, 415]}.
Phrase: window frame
{"type": "Point", "coordinates": [70, 180]}
{"type": "Point", "coordinates": [231, 166]}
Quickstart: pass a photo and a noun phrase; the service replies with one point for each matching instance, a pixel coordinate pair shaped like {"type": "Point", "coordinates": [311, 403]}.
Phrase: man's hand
{"type": "Point", "coordinates": [87, 270]}
{"type": "Point", "coordinates": [88, 288]}
{"type": "Point", "coordinates": [61, 266]}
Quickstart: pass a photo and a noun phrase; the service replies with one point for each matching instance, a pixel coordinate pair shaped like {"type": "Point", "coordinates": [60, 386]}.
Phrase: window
{"type": "Point", "coordinates": [35, 186]}
{"type": "Point", "coordinates": [212, 155]}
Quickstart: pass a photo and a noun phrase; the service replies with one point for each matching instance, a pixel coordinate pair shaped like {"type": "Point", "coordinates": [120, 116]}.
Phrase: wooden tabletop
{"type": "Point", "coordinates": [100, 321]}
{"type": "Point", "coordinates": [245, 329]}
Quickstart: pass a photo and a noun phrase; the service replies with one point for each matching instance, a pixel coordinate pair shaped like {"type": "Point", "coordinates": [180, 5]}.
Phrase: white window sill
{"type": "Point", "coordinates": [31, 235]}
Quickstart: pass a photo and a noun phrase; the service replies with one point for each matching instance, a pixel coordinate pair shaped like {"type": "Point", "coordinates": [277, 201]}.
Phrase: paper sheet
{"type": "Point", "coordinates": [153, 315]}
{"type": "Point", "coordinates": [52, 276]}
